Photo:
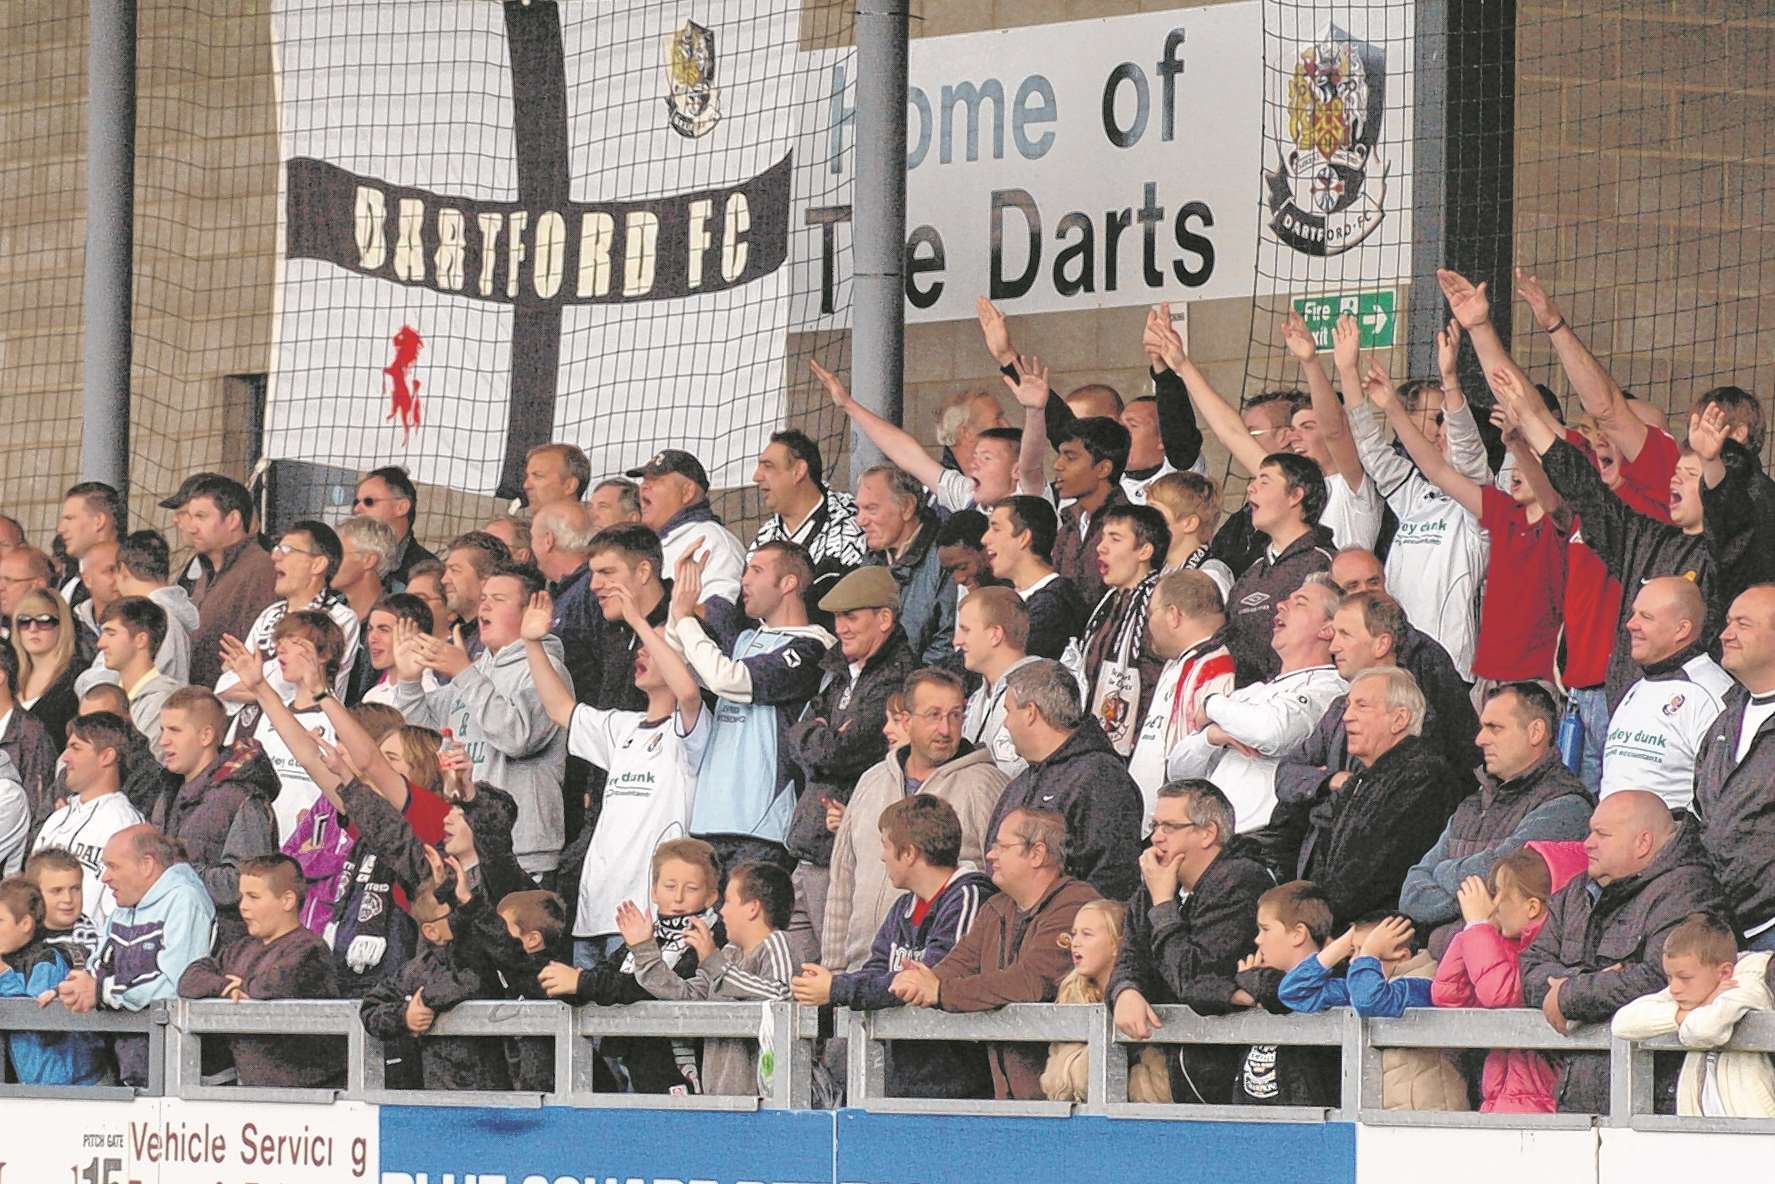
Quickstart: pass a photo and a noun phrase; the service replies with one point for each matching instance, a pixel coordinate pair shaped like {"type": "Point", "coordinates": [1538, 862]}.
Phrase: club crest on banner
{"type": "Point", "coordinates": [690, 69]}
{"type": "Point", "coordinates": [1329, 188]}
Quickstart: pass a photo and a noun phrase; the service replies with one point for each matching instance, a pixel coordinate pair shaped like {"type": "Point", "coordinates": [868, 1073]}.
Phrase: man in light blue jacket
{"type": "Point", "coordinates": [164, 921]}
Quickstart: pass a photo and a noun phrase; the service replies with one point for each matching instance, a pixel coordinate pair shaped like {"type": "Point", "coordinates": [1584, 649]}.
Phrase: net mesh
{"type": "Point", "coordinates": [42, 129]}
{"type": "Point", "coordinates": [525, 110]}
{"type": "Point", "coordinates": [1614, 149]}
{"type": "Point", "coordinates": [1637, 130]}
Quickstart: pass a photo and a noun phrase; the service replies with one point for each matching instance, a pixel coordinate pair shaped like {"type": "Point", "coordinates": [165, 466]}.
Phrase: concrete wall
{"type": "Point", "coordinates": [1643, 198]}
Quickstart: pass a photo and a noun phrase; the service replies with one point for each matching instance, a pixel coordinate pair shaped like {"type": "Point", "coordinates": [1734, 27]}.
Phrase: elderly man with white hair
{"type": "Point", "coordinates": [367, 546]}
{"type": "Point", "coordinates": [1366, 834]}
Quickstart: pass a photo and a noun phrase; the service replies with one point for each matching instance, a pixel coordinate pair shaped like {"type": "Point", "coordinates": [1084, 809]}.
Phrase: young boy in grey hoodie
{"type": "Point", "coordinates": [491, 705]}
{"type": "Point", "coordinates": [755, 964]}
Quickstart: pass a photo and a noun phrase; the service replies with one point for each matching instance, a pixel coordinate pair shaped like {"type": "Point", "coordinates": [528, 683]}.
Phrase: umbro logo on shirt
{"type": "Point", "coordinates": [1255, 599]}
{"type": "Point", "coordinates": [791, 659]}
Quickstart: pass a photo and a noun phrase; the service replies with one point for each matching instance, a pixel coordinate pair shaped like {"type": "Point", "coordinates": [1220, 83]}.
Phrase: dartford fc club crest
{"type": "Point", "coordinates": [690, 71]}
{"type": "Point", "coordinates": [1328, 190]}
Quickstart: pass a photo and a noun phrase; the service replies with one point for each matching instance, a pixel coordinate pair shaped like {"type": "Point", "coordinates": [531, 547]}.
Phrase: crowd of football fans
{"type": "Point", "coordinates": [1457, 708]}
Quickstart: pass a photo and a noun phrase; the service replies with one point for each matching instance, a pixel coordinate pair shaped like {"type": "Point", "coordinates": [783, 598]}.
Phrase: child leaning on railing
{"type": "Point", "coordinates": [1712, 986]}
{"type": "Point", "coordinates": [1482, 967]}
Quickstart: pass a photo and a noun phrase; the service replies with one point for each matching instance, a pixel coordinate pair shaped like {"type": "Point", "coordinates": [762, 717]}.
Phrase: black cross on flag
{"type": "Point", "coordinates": [510, 223]}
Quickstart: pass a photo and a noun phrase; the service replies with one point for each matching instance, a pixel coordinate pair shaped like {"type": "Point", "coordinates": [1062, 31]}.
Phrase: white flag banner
{"type": "Point", "coordinates": [504, 224]}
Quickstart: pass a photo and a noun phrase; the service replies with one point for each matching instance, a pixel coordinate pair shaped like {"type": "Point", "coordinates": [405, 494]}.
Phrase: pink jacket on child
{"type": "Point", "coordinates": [1482, 968]}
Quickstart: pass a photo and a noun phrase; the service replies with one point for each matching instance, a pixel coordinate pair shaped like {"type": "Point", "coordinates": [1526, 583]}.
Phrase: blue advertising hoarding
{"type": "Point", "coordinates": [559, 1145]}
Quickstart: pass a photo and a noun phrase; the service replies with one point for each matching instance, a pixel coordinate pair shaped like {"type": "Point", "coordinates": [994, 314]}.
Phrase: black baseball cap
{"type": "Point", "coordinates": [673, 460]}
{"type": "Point", "coordinates": [196, 485]}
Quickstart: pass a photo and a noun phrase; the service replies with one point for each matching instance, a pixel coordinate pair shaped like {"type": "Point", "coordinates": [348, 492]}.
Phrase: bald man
{"type": "Point", "coordinates": [163, 922]}
{"type": "Point", "coordinates": [1603, 942]}
{"type": "Point", "coordinates": [1357, 570]}
{"type": "Point", "coordinates": [1735, 771]}
{"type": "Point", "coordinates": [1655, 734]}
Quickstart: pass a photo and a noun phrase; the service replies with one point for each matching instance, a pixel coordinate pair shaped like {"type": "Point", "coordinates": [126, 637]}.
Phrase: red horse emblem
{"type": "Point", "coordinates": [404, 398]}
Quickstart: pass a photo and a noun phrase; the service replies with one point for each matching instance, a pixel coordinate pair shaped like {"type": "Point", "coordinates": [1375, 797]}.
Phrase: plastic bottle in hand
{"type": "Point", "coordinates": [455, 776]}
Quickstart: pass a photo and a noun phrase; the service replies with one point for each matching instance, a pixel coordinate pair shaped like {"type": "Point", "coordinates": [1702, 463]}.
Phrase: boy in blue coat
{"type": "Point", "coordinates": [1384, 979]}
{"type": "Point", "coordinates": [30, 968]}
{"type": "Point", "coordinates": [921, 847]}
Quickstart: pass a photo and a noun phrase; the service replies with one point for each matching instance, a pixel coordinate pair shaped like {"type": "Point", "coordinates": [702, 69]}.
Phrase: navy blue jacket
{"type": "Point", "coordinates": [923, 1069]}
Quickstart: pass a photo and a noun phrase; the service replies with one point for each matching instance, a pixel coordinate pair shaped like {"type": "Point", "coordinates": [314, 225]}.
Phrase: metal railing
{"type": "Point", "coordinates": [176, 1029]}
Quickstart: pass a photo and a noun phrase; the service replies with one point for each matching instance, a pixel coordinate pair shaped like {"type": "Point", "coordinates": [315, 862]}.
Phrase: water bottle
{"type": "Point", "coordinates": [1571, 737]}
{"type": "Point", "coordinates": [455, 785]}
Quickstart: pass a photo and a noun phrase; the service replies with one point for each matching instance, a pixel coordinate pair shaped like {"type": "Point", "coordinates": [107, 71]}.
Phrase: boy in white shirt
{"type": "Point", "coordinates": [1711, 987]}
{"type": "Point", "coordinates": [96, 808]}
{"type": "Point", "coordinates": [651, 756]}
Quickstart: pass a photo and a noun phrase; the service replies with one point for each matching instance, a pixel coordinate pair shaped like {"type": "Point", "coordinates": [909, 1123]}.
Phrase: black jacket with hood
{"type": "Point", "coordinates": [1736, 810]}
{"type": "Point", "coordinates": [1088, 784]}
{"type": "Point", "coordinates": [223, 816]}
{"type": "Point", "coordinates": [1592, 928]}
{"type": "Point", "coordinates": [1634, 549]}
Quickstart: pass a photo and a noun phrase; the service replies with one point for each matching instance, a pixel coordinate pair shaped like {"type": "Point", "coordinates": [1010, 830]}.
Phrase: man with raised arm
{"type": "Point", "coordinates": [1438, 552]}
{"type": "Point", "coordinates": [652, 757]}
{"type": "Point", "coordinates": [1352, 510]}
{"type": "Point", "coordinates": [1162, 433]}
{"type": "Point", "coordinates": [1520, 617]}
{"type": "Point", "coordinates": [761, 680]}
{"type": "Point", "coordinates": [986, 476]}
{"type": "Point", "coordinates": [1634, 546]}
{"type": "Point", "coordinates": [493, 707]}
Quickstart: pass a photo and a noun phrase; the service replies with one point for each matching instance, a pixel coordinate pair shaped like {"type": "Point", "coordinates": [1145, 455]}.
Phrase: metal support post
{"type": "Point", "coordinates": [110, 240]}
{"type": "Point", "coordinates": [878, 333]}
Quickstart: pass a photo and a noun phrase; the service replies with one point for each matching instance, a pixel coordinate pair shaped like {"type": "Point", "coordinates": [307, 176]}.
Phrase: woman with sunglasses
{"type": "Point", "coordinates": [43, 639]}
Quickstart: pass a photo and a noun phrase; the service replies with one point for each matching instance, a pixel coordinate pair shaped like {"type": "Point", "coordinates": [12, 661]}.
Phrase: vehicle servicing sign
{"type": "Point", "coordinates": [168, 1141]}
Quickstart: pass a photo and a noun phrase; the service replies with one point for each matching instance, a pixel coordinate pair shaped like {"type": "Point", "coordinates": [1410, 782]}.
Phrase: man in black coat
{"type": "Point", "coordinates": [1735, 774]}
{"type": "Point", "coordinates": [1367, 828]}
{"type": "Point", "coordinates": [1189, 924]}
{"type": "Point", "coordinates": [1633, 547]}
{"type": "Point", "coordinates": [1602, 945]}
{"type": "Point", "coordinates": [839, 736]}
{"type": "Point", "coordinates": [1370, 629]}
{"type": "Point", "coordinates": [1075, 772]}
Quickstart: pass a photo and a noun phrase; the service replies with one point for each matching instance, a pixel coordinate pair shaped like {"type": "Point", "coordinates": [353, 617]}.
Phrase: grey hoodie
{"type": "Point", "coordinates": [173, 659]}
{"type": "Point", "coordinates": [493, 709]}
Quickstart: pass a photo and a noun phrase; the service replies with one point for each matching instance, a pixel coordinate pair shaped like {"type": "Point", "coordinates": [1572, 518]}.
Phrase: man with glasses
{"type": "Point", "coordinates": [935, 760]}
{"type": "Point", "coordinates": [1017, 951]}
{"type": "Point", "coordinates": [1188, 926]}
{"type": "Point", "coordinates": [306, 559]}
{"type": "Point", "coordinates": [387, 495]}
